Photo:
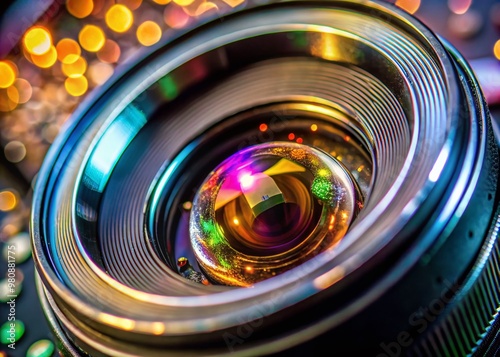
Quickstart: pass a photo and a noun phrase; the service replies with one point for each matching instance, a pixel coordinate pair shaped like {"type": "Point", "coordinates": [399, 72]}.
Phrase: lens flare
{"type": "Point", "coordinates": [246, 181]}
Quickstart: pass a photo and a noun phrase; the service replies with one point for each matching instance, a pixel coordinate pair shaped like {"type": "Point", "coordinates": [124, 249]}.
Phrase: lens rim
{"type": "Point", "coordinates": [59, 151]}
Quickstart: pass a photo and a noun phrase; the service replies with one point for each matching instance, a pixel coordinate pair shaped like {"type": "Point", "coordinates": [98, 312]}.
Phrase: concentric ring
{"type": "Point", "coordinates": [388, 76]}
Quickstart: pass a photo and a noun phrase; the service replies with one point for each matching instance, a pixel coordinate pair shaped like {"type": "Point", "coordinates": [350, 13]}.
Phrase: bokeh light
{"type": "Point", "coordinates": [410, 6]}
{"type": "Point", "coordinates": [13, 94]}
{"type": "Point", "coordinates": [75, 67]}
{"type": "Point", "coordinates": [119, 18]}
{"type": "Point", "coordinates": [23, 88]}
{"type": "Point", "coordinates": [91, 38]}
{"type": "Point", "coordinates": [459, 7]}
{"type": "Point", "coordinates": [80, 8]}
{"type": "Point", "coordinates": [131, 4]}
{"type": "Point", "coordinates": [100, 7]}
{"type": "Point", "coordinates": [15, 151]}
{"type": "Point", "coordinates": [162, 2]}
{"type": "Point", "coordinates": [496, 50]}
{"type": "Point", "coordinates": [205, 7]}
{"type": "Point", "coordinates": [110, 52]}
{"type": "Point", "coordinates": [148, 33]}
{"type": "Point", "coordinates": [47, 59]}
{"type": "Point", "coordinates": [234, 3]}
{"type": "Point", "coordinates": [100, 72]}
{"type": "Point", "coordinates": [314, 127]}
{"type": "Point", "coordinates": [37, 40]}
{"type": "Point", "coordinates": [6, 104]}
{"type": "Point", "coordinates": [8, 201]}
{"type": "Point", "coordinates": [67, 47]}
{"type": "Point", "coordinates": [76, 86]}
{"type": "Point", "coordinates": [183, 2]}
{"type": "Point", "coordinates": [7, 73]}
{"type": "Point", "coordinates": [175, 17]}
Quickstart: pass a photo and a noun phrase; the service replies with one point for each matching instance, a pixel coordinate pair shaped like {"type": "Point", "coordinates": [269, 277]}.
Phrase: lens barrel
{"type": "Point", "coordinates": [377, 234]}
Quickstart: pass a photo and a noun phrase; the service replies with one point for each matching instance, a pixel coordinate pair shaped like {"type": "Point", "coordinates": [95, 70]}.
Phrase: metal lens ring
{"type": "Point", "coordinates": [362, 77]}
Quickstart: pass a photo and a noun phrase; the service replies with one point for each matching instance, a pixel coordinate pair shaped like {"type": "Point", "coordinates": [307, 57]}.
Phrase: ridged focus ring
{"type": "Point", "coordinates": [109, 194]}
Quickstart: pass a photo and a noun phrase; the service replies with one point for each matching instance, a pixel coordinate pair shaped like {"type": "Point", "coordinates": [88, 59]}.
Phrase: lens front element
{"type": "Point", "coordinates": [269, 208]}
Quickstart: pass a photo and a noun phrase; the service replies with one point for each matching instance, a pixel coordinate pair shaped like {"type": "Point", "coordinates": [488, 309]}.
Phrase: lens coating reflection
{"type": "Point", "coordinates": [269, 208]}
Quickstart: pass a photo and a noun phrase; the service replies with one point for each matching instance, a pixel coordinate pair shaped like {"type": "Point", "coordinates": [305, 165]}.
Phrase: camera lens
{"type": "Point", "coordinates": [293, 177]}
{"type": "Point", "coordinates": [268, 208]}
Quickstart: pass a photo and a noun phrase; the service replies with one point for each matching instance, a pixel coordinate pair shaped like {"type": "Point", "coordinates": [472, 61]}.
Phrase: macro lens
{"type": "Point", "coordinates": [288, 178]}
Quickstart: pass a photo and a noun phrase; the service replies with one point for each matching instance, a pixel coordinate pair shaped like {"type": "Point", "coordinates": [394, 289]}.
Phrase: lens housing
{"type": "Point", "coordinates": [113, 186]}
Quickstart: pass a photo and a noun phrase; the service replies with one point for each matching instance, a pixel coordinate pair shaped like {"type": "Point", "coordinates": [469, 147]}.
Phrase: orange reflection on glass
{"type": "Point", "coordinates": [75, 67]}
{"type": "Point", "coordinates": [37, 40]}
{"type": "Point", "coordinates": [47, 59]}
{"type": "Point", "coordinates": [162, 2]}
{"type": "Point", "coordinates": [148, 33]}
{"type": "Point", "coordinates": [8, 201]}
{"type": "Point", "coordinates": [119, 18]}
{"type": "Point", "coordinates": [459, 7]}
{"type": "Point", "coordinates": [91, 38]}
{"type": "Point", "coordinates": [76, 86]}
{"type": "Point", "coordinates": [175, 17]}
{"type": "Point", "coordinates": [496, 49]}
{"type": "Point", "coordinates": [7, 73]}
{"type": "Point", "coordinates": [131, 4]}
{"type": "Point", "coordinates": [80, 8]}
{"type": "Point", "coordinates": [67, 47]}
{"type": "Point", "coordinates": [410, 6]}
{"type": "Point", "coordinates": [110, 52]}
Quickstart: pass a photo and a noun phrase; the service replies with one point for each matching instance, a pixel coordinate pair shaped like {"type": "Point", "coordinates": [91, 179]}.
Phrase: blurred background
{"type": "Point", "coordinates": [54, 53]}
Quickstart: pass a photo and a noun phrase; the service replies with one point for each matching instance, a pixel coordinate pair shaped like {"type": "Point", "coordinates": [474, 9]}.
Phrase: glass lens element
{"type": "Point", "coordinates": [269, 208]}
